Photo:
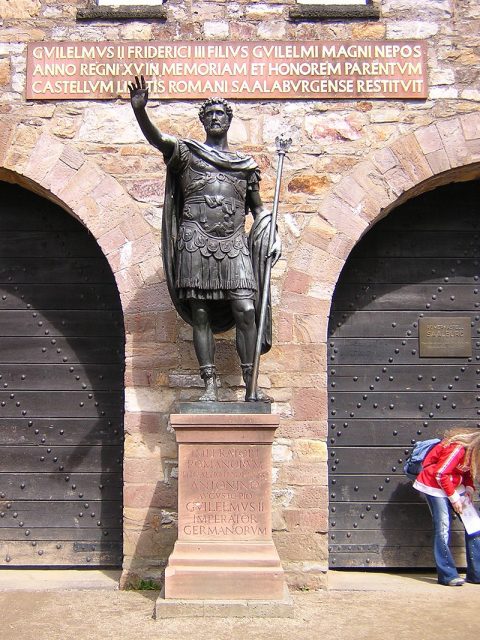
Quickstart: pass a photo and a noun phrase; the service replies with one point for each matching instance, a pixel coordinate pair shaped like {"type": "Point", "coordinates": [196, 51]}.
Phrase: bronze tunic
{"type": "Point", "coordinates": [212, 256]}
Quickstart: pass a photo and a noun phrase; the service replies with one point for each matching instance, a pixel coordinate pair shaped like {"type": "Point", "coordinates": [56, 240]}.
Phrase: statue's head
{"type": "Point", "coordinates": [216, 115]}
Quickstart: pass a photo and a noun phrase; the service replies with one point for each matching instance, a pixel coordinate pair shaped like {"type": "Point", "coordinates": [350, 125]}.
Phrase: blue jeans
{"type": "Point", "coordinates": [440, 509]}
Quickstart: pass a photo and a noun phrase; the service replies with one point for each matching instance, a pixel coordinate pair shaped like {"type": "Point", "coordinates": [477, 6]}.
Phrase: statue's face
{"type": "Point", "coordinates": [215, 120]}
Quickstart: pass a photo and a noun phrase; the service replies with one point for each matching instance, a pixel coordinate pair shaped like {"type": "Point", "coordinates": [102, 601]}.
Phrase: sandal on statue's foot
{"type": "Point", "coordinates": [209, 376]}
{"type": "Point", "coordinates": [252, 395]}
{"type": "Point", "coordinates": [258, 396]}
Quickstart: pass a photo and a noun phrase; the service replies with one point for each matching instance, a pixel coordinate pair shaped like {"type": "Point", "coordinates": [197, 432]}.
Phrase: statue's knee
{"type": "Point", "coordinates": [200, 317]}
{"type": "Point", "coordinates": [246, 318]}
{"type": "Point", "coordinates": [250, 316]}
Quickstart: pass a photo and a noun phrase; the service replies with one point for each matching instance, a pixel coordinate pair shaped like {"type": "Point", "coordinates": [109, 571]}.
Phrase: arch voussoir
{"type": "Point", "coordinates": [61, 173]}
{"type": "Point", "coordinates": [418, 161]}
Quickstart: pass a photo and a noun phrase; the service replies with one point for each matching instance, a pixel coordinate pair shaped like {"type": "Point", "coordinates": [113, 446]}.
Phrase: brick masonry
{"type": "Point", "coordinates": [351, 163]}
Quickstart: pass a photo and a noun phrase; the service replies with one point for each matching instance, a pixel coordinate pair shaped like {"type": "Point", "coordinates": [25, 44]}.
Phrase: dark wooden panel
{"type": "Point", "coordinates": [409, 297]}
{"type": "Point", "coordinates": [68, 404]}
{"type": "Point", "coordinates": [61, 323]}
{"type": "Point", "coordinates": [382, 547]}
{"type": "Point", "coordinates": [55, 458]}
{"type": "Point", "coordinates": [361, 488]}
{"type": "Point", "coordinates": [102, 537]}
{"type": "Point", "coordinates": [387, 461]}
{"type": "Point", "coordinates": [60, 350]}
{"type": "Point", "coordinates": [380, 515]}
{"type": "Point", "coordinates": [23, 210]}
{"type": "Point", "coordinates": [38, 270]}
{"type": "Point", "coordinates": [61, 486]}
{"type": "Point", "coordinates": [27, 215]}
{"type": "Point", "coordinates": [61, 431]}
{"type": "Point", "coordinates": [387, 324]}
{"type": "Point", "coordinates": [404, 243]}
{"type": "Point", "coordinates": [396, 557]}
{"type": "Point", "coordinates": [366, 270]}
{"type": "Point", "coordinates": [35, 244]}
{"type": "Point", "coordinates": [58, 296]}
{"type": "Point", "coordinates": [384, 352]}
{"type": "Point", "coordinates": [420, 261]}
{"type": "Point", "coordinates": [379, 460]}
{"type": "Point", "coordinates": [60, 553]}
{"type": "Point", "coordinates": [411, 377]}
{"type": "Point", "coordinates": [61, 377]}
{"type": "Point", "coordinates": [28, 212]}
{"type": "Point", "coordinates": [373, 488]}
{"type": "Point", "coordinates": [390, 537]}
{"type": "Point", "coordinates": [370, 432]}
{"type": "Point", "coordinates": [82, 515]}
{"type": "Point", "coordinates": [371, 404]}
{"type": "Point", "coordinates": [447, 208]}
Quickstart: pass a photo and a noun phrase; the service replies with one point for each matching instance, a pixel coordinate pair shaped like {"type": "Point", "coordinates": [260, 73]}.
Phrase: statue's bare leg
{"type": "Point", "coordinates": [244, 315]}
{"type": "Point", "coordinates": [204, 344]}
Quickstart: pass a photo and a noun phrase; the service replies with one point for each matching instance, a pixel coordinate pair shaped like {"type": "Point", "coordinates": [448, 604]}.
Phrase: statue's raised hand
{"type": "Point", "coordinates": [138, 93]}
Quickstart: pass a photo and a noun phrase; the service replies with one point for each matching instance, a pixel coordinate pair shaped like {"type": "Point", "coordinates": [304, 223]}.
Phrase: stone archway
{"type": "Point", "coordinates": [443, 152]}
{"type": "Point", "coordinates": [433, 155]}
{"type": "Point", "coordinates": [58, 172]}
{"type": "Point", "coordinates": [446, 151]}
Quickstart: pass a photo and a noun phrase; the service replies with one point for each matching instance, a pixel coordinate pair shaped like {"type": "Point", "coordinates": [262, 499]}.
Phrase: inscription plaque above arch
{"type": "Point", "coordinates": [317, 69]}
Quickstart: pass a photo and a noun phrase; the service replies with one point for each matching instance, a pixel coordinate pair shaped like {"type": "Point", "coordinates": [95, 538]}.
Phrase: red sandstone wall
{"type": "Point", "coordinates": [351, 161]}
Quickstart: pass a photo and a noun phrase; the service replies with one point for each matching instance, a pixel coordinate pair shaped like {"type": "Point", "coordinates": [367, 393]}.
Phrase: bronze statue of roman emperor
{"type": "Point", "coordinates": [214, 271]}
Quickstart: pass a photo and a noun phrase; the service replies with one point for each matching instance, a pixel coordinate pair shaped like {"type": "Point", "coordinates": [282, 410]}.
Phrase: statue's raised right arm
{"type": "Point", "coordinates": [139, 98]}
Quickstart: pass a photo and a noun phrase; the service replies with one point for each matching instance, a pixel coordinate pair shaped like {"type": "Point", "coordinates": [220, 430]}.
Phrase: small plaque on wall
{"type": "Point", "coordinates": [445, 337]}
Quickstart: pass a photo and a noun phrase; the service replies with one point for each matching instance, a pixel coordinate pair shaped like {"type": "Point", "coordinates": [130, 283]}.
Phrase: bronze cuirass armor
{"type": "Point", "coordinates": [213, 259]}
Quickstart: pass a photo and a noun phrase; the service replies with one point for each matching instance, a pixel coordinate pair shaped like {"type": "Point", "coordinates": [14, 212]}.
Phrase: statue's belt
{"type": "Point", "coordinates": [192, 237]}
{"type": "Point", "coordinates": [226, 205]}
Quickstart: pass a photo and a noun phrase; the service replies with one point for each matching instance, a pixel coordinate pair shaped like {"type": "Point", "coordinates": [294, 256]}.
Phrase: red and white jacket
{"type": "Point", "coordinates": [444, 473]}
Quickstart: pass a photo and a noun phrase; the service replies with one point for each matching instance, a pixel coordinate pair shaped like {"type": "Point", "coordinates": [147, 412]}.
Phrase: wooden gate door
{"type": "Point", "coordinates": [387, 389]}
{"type": "Point", "coordinates": [61, 390]}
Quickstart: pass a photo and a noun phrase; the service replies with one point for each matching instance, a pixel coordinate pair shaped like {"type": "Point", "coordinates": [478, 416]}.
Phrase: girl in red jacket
{"type": "Point", "coordinates": [446, 479]}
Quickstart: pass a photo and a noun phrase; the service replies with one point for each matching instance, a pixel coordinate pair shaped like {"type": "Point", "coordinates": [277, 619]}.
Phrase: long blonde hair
{"type": "Point", "coordinates": [470, 440]}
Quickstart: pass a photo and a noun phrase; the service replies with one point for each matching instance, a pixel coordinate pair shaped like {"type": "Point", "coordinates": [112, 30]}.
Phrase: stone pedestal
{"type": "Point", "coordinates": [224, 549]}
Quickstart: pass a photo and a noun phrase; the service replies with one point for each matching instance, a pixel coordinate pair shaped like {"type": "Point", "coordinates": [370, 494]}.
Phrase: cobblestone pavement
{"type": "Point", "coordinates": [356, 607]}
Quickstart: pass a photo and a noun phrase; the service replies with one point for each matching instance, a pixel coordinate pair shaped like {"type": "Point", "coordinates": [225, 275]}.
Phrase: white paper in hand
{"type": "Point", "coordinates": [470, 518]}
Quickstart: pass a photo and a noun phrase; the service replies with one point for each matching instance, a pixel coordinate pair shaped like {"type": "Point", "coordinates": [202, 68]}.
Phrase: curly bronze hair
{"type": "Point", "coordinates": [208, 103]}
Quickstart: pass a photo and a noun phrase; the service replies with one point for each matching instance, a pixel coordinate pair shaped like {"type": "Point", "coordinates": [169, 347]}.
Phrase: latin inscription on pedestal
{"type": "Point", "coordinates": [224, 549]}
{"type": "Point", "coordinates": [224, 492]}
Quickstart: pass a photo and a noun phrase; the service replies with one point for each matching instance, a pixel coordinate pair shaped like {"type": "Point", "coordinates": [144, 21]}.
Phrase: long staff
{"type": "Point", "coordinates": [283, 144]}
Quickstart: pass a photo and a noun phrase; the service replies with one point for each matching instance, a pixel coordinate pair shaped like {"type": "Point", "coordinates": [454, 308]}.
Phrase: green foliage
{"type": "Point", "coordinates": [143, 585]}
